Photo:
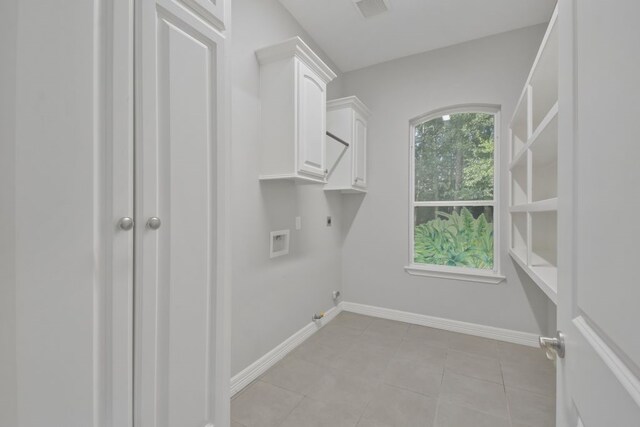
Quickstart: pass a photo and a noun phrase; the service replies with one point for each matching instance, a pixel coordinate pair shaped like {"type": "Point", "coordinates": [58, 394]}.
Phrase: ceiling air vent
{"type": "Point", "coordinates": [369, 8]}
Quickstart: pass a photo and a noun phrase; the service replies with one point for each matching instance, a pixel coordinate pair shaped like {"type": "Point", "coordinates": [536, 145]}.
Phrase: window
{"type": "Point", "coordinates": [453, 200]}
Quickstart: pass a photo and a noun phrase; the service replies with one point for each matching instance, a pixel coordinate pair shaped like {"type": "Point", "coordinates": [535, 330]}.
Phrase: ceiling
{"type": "Point", "coordinates": [409, 26]}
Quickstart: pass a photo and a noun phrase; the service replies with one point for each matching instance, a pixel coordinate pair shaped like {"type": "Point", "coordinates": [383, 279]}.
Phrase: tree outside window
{"type": "Point", "coordinates": [453, 190]}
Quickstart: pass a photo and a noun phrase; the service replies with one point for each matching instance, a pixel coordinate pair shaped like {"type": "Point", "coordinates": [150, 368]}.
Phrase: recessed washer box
{"type": "Point", "coordinates": [279, 243]}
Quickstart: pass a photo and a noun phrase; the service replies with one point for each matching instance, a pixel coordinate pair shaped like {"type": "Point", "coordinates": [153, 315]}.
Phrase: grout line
{"type": "Point", "coordinates": [445, 400]}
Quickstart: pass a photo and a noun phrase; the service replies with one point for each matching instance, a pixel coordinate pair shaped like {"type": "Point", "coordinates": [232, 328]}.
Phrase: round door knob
{"type": "Point", "coordinates": [154, 223]}
{"type": "Point", "coordinates": [126, 223]}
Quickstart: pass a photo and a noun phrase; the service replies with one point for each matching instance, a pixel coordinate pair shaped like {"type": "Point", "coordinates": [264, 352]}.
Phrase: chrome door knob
{"type": "Point", "coordinates": [125, 223]}
{"type": "Point", "coordinates": [553, 346]}
{"type": "Point", "coordinates": [154, 223]}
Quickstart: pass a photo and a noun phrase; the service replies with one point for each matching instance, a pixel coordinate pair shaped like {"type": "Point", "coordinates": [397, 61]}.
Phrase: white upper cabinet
{"type": "Point", "coordinates": [293, 94]}
{"type": "Point", "coordinates": [347, 120]}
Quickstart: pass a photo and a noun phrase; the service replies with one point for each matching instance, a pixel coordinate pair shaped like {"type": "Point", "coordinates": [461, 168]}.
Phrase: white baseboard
{"type": "Point", "coordinates": [260, 366]}
{"type": "Point", "coordinates": [516, 337]}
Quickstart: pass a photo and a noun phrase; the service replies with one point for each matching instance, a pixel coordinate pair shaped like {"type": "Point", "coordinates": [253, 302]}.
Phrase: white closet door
{"type": "Point", "coordinates": [178, 104]}
{"type": "Point", "coordinates": [311, 121]}
{"type": "Point", "coordinates": [598, 292]}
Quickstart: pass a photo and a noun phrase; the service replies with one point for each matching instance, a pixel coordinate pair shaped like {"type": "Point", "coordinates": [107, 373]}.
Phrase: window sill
{"type": "Point", "coordinates": [468, 275]}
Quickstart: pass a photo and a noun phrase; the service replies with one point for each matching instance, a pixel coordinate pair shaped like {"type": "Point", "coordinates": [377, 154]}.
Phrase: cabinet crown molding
{"type": "Point", "coordinates": [296, 47]}
{"type": "Point", "coordinates": [349, 101]}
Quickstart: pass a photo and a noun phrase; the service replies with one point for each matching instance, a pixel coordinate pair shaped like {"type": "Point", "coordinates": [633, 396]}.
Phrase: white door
{"type": "Point", "coordinates": [311, 122]}
{"type": "Point", "coordinates": [360, 153]}
{"type": "Point", "coordinates": [599, 188]}
{"type": "Point", "coordinates": [178, 76]}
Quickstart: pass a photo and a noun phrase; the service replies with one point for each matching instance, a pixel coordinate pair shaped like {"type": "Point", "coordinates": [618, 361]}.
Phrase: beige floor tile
{"type": "Point", "coordinates": [335, 336]}
{"type": "Point", "coordinates": [263, 405]}
{"type": "Point", "coordinates": [433, 336]}
{"type": "Point", "coordinates": [392, 406]}
{"type": "Point", "coordinates": [376, 372]}
{"type": "Point", "coordinates": [364, 360]}
{"type": "Point", "coordinates": [450, 415]}
{"type": "Point", "coordinates": [471, 365]}
{"type": "Point", "coordinates": [474, 345]}
{"type": "Point", "coordinates": [317, 353]}
{"type": "Point", "coordinates": [418, 376]}
{"type": "Point", "coordinates": [342, 388]}
{"type": "Point", "coordinates": [293, 374]}
{"type": "Point", "coordinates": [314, 413]}
{"type": "Point", "coordinates": [352, 320]}
{"type": "Point", "coordinates": [516, 353]}
{"type": "Point", "coordinates": [421, 350]}
{"type": "Point", "coordinates": [532, 377]}
{"type": "Point", "coordinates": [389, 341]}
{"type": "Point", "coordinates": [388, 327]}
{"type": "Point", "coordinates": [481, 395]}
{"type": "Point", "coordinates": [531, 409]}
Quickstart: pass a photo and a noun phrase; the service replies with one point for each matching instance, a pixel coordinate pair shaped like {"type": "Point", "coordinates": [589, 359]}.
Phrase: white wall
{"type": "Point", "coordinates": [273, 298]}
{"type": "Point", "coordinates": [8, 35]}
{"type": "Point", "coordinates": [490, 70]}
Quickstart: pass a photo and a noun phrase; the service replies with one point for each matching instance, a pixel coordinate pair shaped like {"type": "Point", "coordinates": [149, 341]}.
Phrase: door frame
{"type": "Point", "coordinates": [566, 194]}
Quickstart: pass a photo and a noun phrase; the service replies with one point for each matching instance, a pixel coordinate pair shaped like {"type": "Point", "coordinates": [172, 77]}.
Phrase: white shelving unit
{"type": "Point", "coordinates": [533, 169]}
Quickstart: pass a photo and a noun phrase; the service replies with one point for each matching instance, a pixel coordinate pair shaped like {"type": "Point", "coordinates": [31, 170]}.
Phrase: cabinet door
{"type": "Point", "coordinates": [311, 113]}
{"type": "Point", "coordinates": [179, 88]}
{"type": "Point", "coordinates": [360, 152]}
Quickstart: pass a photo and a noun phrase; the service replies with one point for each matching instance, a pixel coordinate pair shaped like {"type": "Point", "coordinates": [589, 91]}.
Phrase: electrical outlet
{"type": "Point", "coordinates": [328, 221]}
{"type": "Point", "coordinates": [298, 223]}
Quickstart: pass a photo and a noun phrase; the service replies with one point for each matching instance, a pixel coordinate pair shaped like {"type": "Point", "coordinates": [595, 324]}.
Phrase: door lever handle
{"type": "Point", "coordinates": [553, 346]}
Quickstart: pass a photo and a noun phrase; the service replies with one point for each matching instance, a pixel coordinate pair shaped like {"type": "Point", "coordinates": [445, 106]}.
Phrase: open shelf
{"type": "Point", "coordinates": [544, 158]}
{"type": "Point", "coordinates": [519, 126]}
{"type": "Point", "coordinates": [544, 238]}
{"type": "Point", "coordinates": [519, 183]}
{"type": "Point", "coordinates": [544, 79]}
{"type": "Point", "coordinates": [533, 207]}
{"type": "Point", "coordinates": [519, 235]}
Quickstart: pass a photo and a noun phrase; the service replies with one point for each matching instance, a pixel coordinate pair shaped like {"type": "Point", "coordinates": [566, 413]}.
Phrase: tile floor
{"type": "Point", "coordinates": [363, 371]}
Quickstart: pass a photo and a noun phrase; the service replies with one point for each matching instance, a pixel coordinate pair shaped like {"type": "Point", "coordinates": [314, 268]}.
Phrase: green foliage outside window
{"type": "Point", "coordinates": [455, 240]}
{"type": "Point", "coordinates": [454, 162]}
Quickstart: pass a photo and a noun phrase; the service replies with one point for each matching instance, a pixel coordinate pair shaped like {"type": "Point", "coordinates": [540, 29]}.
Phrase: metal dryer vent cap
{"type": "Point", "coordinates": [369, 8]}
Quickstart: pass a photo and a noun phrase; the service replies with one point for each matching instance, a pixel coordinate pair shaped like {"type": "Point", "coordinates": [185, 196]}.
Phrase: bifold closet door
{"type": "Point", "coordinates": [177, 109]}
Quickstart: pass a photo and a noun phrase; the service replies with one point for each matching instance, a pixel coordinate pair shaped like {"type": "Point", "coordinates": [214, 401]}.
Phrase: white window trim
{"type": "Point", "coordinates": [442, 271]}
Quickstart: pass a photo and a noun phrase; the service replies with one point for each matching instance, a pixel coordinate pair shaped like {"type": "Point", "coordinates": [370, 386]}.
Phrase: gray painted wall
{"type": "Point", "coordinates": [8, 379]}
{"type": "Point", "coordinates": [273, 298]}
{"type": "Point", "coordinates": [490, 70]}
